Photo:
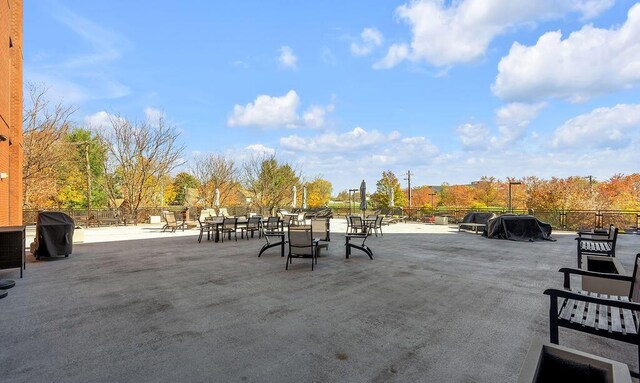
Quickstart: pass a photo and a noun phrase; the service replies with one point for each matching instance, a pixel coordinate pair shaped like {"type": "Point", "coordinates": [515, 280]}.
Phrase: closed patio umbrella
{"type": "Point", "coordinates": [304, 197]}
{"type": "Point", "coordinates": [391, 198]}
{"type": "Point", "coordinates": [363, 196]}
{"type": "Point", "coordinates": [216, 199]}
{"type": "Point", "coordinates": [294, 192]}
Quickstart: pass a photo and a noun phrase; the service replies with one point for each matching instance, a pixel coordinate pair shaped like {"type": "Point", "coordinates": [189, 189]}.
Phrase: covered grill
{"type": "Point", "coordinates": [54, 234]}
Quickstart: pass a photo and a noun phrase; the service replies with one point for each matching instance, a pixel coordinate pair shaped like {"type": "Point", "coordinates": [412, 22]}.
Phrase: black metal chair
{"type": "Point", "coordinates": [274, 234]}
{"type": "Point", "coordinates": [253, 225]}
{"type": "Point", "coordinates": [609, 316]}
{"type": "Point", "coordinates": [302, 245]}
{"type": "Point", "coordinates": [357, 226]}
{"type": "Point", "coordinates": [206, 226]}
{"type": "Point", "coordinates": [320, 231]}
{"type": "Point", "coordinates": [229, 225]}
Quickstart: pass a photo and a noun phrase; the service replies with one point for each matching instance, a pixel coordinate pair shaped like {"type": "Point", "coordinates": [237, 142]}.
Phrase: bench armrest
{"type": "Point", "coordinates": [568, 271]}
{"type": "Point", "coordinates": [558, 293]}
{"type": "Point", "coordinates": [580, 239]}
{"type": "Point", "coordinates": [581, 233]}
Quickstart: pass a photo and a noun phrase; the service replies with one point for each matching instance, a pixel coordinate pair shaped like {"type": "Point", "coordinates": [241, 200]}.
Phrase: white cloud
{"type": "Point", "coordinates": [589, 62]}
{"type": "Point", "coordinates": [474, 137]}
{"type": "Point", "coordinates": [356, 139]}
{"type": "Point", "coordinates": [614, 127]}
{"type": "Point", "coordinates": [102, 121]}
{"type": "Point", "coordinates": [360, 146]}
{"type": "Point", "coordinates": [260, 149]}
{"type": "Point", "coordinates": [446, 33]}
{"type": "Point", "coordinates": [371, 39]}
{"type": "Point", "coordinates": [99, 120]}
{"type": "Point", "coordinates": [396, 54]}
{"type": "Point", "coordinates": [153, 115]}
{"type": "Point", "coordinates": [513, 121]}
{"type": "Point", "coordinates": [287, 59]}
{"type": "Point", "coordinates": [277, 112]}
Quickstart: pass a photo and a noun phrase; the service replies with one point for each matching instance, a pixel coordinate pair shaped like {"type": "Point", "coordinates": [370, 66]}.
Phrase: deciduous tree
{"type": "Point", "coordinates": [318, 192]}
{"type": "Point", "coordinates": [139, 153]}
{"type": "Point", "coordinates": [269, 183]}
{"type": "Point", "coordinates": [381, 198]}
{"type": "Point", "coordinates": [45, 131]}
{"type": "Point", "coordinates": [216, 171]}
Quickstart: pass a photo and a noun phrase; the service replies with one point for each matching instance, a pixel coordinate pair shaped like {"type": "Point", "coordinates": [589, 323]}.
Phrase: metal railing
{"type": "Point", "coordinates": [564, 219]}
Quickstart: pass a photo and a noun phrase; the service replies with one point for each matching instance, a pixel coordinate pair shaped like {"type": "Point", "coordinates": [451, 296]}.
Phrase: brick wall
{"type": "Point", "coordinates": [11, 112]}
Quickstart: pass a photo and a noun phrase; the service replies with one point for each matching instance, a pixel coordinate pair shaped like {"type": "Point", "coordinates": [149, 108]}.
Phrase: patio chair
{"type": "Point", "coordinates": [170, 221]}
{"type": "Point", "coordinates": [253, 225]}
{"type": "Point", "coordinates": [302, 245]}
{"type": "Point", "coordinates": [204, 227]}
{"type": "Point", "coordinates": [320, 230]}
{"type": "Point", "coordinates": [609, 316]}
{"type": "Point", "coordinates": [377, 225]}
{"type": "Point", "coordinates": [597, 245]}
{"type": "Point", "coordinates": [357, 226]}
{"type": "Point", "coordinates": [273, 234]}
{"type": "Point", "coordinates": [229, 225]}
{"type": "Point", "coordinates": [287, 220]}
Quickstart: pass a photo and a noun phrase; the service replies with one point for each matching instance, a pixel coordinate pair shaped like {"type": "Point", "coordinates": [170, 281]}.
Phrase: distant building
{"type": "Point", "coordinates": [11, 112]}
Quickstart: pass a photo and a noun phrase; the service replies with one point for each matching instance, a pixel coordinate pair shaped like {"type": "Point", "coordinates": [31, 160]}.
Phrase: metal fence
{"type": "Point", "coordinates": [566, 220]}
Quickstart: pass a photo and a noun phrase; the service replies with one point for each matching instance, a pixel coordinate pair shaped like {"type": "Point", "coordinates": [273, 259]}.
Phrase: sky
{"type": "Point", "coordinates": [344, 90]}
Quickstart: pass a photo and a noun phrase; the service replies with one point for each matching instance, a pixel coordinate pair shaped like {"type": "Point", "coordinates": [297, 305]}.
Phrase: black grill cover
{"type": "Point", "coordinates": [526, 228]}
{"type": "Point", "coordinates": [476, 218]}
{"type": "Point", "coordinates": [55, 234]}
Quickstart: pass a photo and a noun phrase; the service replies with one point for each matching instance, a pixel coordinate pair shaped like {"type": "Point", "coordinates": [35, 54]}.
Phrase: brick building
{"type": "Point", "coordinates": [11, 112]}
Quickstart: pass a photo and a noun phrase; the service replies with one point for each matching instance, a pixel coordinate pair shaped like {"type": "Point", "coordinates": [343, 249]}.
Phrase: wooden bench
{"type": "Point", "coordinates": [597, 244]}
{"type": "Point", "coordinates": [609, 316]}
{"type": "Point", "coordinates": [472, 226]}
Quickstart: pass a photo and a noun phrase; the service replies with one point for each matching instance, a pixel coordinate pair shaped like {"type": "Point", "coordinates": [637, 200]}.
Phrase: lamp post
{"type": "Point", "coordinates": [433, 208]}
{"type": "Point", "coordinates": [510, 205]}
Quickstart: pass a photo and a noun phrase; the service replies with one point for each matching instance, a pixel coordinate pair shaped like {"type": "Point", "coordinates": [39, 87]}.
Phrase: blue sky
{"type": "Point", "coordinates": [451, 90]}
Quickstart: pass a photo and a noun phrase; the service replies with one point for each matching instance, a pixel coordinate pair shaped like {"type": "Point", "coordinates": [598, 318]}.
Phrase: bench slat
{"type": "Point", "coordinates": [578, 314]}
{"type": "Point", "coordinates": [566, 310]}
{"type": "Point", "coordinates": [616, 325]}
{"type": "Point", "coordinates": [592, 313]}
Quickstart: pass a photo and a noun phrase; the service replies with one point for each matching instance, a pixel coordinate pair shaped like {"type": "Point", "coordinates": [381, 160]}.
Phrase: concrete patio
{"type": "Point", "coordinates": [434, 305]}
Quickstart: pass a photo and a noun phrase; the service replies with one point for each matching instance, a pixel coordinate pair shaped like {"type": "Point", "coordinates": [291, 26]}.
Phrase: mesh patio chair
{"type": "Point", "coordinates": [253, 225]}
{"type": "Point", "coordinates": [229, 225]}
{"type": "Point", "coordinates": [357, 225]}
{"type": "Point", "coordinates": [302, 245]}
{"type": "Point", "coordinates": [204, 227]}
{"type": "Point", "coordinates": [170, 221]}
{"type": "Point", "coordinates": [320, 231]}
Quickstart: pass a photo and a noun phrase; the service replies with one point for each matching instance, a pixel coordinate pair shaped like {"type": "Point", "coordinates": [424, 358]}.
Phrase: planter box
{"type": "Point", "coordinates": [603, 264]}
{"type": "Point", "coordinates": [78, 234]}
{"type": "Point", "coordinates": [546, 362]}
{"type": "Point", "coordinates": [441, 221]}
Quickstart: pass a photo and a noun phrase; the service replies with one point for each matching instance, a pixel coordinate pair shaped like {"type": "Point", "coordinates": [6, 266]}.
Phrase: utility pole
{"type": "Point", "coordinates": [86, 158]}
{"type": "Point", "coordinates": [433, 208]}
{"type": "Point", "coordinates": [88, 170]}
{"type": "Point", "coordinates": [408, 179]}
